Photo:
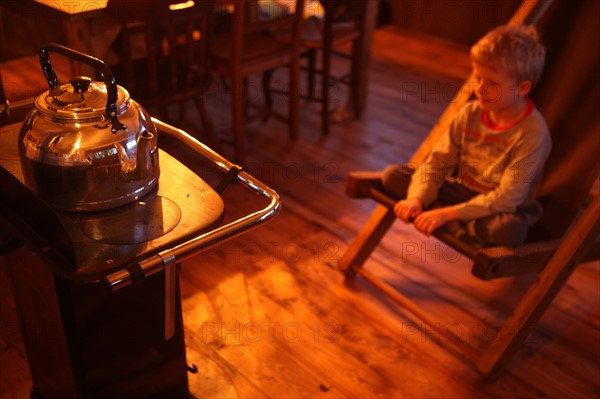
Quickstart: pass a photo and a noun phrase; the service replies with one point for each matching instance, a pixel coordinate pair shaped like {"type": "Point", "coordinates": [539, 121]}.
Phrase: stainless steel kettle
{"type": "Point", "coordinates": [87, 146]}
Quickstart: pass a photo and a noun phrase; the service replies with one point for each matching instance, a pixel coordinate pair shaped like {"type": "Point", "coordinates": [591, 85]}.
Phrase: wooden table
{"type": "Point", "coordinates": [85, 23]}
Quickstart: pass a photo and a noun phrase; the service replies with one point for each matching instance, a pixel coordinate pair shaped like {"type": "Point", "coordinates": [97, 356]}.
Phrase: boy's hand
{"type": "Point", "coordinates": [428, 221]}
{"type": "Point", "coordinates": [408, 209]}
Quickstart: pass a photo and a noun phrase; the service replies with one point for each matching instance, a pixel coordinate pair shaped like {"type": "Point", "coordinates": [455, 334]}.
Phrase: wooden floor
{"type": "Point", "coordinates": [268, 314]}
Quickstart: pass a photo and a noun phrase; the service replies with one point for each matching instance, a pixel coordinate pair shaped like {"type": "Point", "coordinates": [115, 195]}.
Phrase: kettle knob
{"type": "Point", "coordinates": [99, 65]}
{"type": "Point", "coordinates": [80, 83]}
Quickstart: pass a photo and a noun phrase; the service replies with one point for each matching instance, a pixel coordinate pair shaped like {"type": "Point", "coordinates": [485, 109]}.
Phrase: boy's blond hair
{"type": "Point", "coordinates": [514, 48]}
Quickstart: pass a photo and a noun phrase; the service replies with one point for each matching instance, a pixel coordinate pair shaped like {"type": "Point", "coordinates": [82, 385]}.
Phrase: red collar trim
{"type": "Point", "coordinates": [488, 122]}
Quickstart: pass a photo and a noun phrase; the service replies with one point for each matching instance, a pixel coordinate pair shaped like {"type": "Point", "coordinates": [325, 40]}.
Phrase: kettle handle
{"type": "Point", "coordinates": [99, 65]}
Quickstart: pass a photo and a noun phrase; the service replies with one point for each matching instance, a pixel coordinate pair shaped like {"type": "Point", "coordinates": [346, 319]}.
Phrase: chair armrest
{"type": "Point", "coordinates": [359, 184]}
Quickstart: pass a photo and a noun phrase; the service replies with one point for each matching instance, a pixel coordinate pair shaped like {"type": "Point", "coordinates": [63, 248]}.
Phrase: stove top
{"type": "Point", "coordinates": [89, 246]}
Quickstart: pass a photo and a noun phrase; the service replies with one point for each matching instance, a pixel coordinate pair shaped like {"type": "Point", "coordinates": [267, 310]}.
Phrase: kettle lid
{"type": "Point", "coordinates": [81, 100]}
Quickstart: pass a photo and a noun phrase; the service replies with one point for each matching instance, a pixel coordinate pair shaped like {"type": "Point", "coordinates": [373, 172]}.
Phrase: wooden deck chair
{"type": "Point", "coordinates": [558, 242]}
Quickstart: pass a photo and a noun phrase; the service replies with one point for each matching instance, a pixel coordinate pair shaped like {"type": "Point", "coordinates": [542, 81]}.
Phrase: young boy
{"type": "Point", "coordinates": [480, 180]}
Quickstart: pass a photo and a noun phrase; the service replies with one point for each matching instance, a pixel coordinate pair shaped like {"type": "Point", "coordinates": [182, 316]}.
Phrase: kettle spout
{"type": "Point", "coordinates": [145, 150]}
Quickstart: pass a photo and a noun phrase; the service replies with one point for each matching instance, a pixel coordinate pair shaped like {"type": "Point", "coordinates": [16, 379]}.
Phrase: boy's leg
{"type": "Point", "coordinates": [501, 229]}
{"type": "Point", "coordinates": [452, 193]}
{"type": "Point", "coordinates": [506, 229]}
{"type": "Point", "coordinates": [396, 179]}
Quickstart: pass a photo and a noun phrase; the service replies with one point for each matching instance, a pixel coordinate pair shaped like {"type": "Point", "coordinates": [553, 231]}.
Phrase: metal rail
{"type": "Point", "coordinates": [196, 245]}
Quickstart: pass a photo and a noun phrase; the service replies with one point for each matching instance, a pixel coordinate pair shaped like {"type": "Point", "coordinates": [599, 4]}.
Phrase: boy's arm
{"type": "Point", "coordinates": [441, 163]}
{"type": "Point", "coordinates": [430, 175]}
{"type": "Point", "coordinates": [428, 222]}
{"type": "Point", "coordinates": [514, 189]}
{"type": "Point", "coordinates": [408, 209]}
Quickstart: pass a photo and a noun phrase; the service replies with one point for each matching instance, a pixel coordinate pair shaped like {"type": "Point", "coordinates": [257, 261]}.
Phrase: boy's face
{"type": "Point", "coordinates": [496, 91]}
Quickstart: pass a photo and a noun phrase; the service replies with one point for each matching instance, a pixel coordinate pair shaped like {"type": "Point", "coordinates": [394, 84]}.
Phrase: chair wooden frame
{"type": "Point", "coordinates": [334, 34]}
{"type": "Point", "coordinates": [246, 50]}
{"type": "Point", "coordinates": [4, 104]}
{"type": "Point", "coordinates": [171, 67]}
{"type": "Point", "coordinates": [326, 35]}
{"type": "Point", "coordinates": [12, 110]}
{"type": "Point", "coordinates": [554, 258]}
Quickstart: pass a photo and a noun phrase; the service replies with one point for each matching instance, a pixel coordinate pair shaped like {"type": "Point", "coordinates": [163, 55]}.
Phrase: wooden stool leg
{"type": "Point", "coordinates": [294, 112]}
{"type": "Point", "coordinates": [326, 79]}
{"type": "Point", "coordinates": [207, 124]}
{"type": "Point", "coordinates": [540, 295]}
{"type": "Point", "coordinates": [311, 56]}
{"type": "Point", "coordinates": [238, 109]}
{"type": "Point", "coordinates": [266, 84]}
{"type": "Point", "coordinates": [367, 240]}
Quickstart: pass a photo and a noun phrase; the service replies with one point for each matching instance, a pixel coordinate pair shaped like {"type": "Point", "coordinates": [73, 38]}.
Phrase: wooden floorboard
{"type": "Point", "coordinates": [269, 315]}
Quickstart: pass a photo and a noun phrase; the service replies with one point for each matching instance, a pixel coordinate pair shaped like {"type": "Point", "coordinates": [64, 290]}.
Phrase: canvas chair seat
{"type": "Point", "coordinates": [488, 262]}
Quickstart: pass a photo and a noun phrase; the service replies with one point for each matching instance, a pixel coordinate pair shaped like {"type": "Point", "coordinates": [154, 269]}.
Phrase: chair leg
{"type": "Point", "coordinates": [577, 242]}
{"type": "Point", "coordinates": [181, 111]}
{"type": "Point", "coordinates": [367, 240]}
{"type": "Point", "coordinates": [238, 110]}
{"type": "Point", "coordinates": [207, 123]}
{"type": "Point", "coordinates": [361, 56]}
{"type": "Point", "coordinates": [326, 76]}
{"type": "Point", "coordinates": [294, 89]}
{"type": "Point", "coordinates": [266, 83]}
{"type": "Point", "coordinates": [354, 100]}
{"type": "Point", "coordinates": [325, 81]}
{"type": "Point", "coordinates": [311, 57]}
{"type": "Point", "coordinates": [245, 98]}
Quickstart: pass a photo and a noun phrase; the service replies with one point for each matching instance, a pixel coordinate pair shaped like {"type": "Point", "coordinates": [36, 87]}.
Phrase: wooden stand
{"type": "Point", "coordinates": [82, 339]}
{"type": "Point", "coordinates": [84, 342]}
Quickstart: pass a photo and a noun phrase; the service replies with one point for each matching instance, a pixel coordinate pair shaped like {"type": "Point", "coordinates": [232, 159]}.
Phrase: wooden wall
{"type": "Point", "coordinates": [463, 21]}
